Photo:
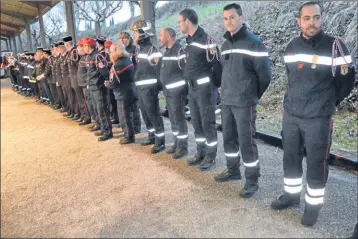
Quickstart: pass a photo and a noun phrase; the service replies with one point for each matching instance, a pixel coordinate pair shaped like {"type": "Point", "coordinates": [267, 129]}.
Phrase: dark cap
{"type": "Point", "coordinates": [100, 40]}
{"type": "Point", "coordinates": [60, 43]}
{"type": "Point", "coordinates": [47, 51]}
{"type": "Point", "coordinates": [67, 38]}
{"type": "Point", "coordinates": [39, 49]}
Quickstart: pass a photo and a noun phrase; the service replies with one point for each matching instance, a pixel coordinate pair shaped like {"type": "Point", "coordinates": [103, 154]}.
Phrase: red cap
{"type": "Point", "coordinates": [108, 43]}
{"type": "Point", "coordinates": [88, 41]}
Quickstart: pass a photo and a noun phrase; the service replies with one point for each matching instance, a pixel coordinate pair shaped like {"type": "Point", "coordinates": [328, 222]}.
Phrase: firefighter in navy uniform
{"type": "Point", "coordinates": [317, 82]}
{"type": "Point", "coordinates": [148, 84]}
{"type": "Point", "coordinates": [82, 84]}
{"type": "Point", "coordinates": [246, 76]}
{"type": "Point", "coordinates": [175, 89]}
{"type": "Point", "coordinates": [46, 75]}
{"type": "Point", "coordinates": [203, 73]}
{"type": "Point", "coordinates": [58, 75]}
{"type": "Point", "coordinates": [97, 72]}
{"type": "Point", "coordinates": [122, 82]}
{"type": "Point", "coordinates": [69, 68]}
{"type": "Point", "coordinates": [52, 79]}
{"type": "Point", "coordinates": [127, 40]}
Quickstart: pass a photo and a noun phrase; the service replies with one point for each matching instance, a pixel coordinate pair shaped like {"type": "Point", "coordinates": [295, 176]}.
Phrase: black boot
{"type": "Point", "coordinates": [172, 149]}
{"type": "Point", "coordinates": [99, 133]}
{"type": "Point", "coordinates": [106, 135]}
{"type": "Point", "coordinates": [127, 140]}
{"type": "Point", "coordinates": [76, 117]}
{"type": "Point", "coordinates": [310, 215]}
{"type": "Point", "coordinates": [227, 175]}
{"type": "Point", "coordinates": [249, 189]}
{"type": "Point", "coordinates": [180, 153]}
{"type": "Point", "coordinates": [285, 201]}
{"type": "Point", "coordinates": [85, 122]}
{"type": "Point", "coordinates": [207, 163]}
{"type": "Point", "coordinates": [95, 128]}
{"type": "Point", "coordinates": [148, 141]}
{"type": "Point", "coordinates": [197, 159]}
{"type": "Point", "coordinates": [158, 147]}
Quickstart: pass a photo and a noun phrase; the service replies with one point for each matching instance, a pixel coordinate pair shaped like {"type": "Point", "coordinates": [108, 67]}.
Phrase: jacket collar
{"type": "Point", "coordinates": [242, 33]}
{"type": "Point", "coordinates": [199, 32]}
{"type": "Point", "coordinates": [313, 40]}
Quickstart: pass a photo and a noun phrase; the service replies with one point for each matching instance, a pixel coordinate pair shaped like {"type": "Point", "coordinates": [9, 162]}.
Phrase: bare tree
{"type": "Point", "coordinates": [96, 11]}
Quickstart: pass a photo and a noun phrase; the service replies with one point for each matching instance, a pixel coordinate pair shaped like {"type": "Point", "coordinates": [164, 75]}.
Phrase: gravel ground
{"type": "Point", "coordinates": [58, 181]}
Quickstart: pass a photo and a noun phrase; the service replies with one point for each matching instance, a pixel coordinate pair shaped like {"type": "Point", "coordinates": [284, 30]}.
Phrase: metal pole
{"type": "Point", "coordinates": [20, 43]}
{"type": "Point", "coordinates": [7, 45]}
{"type": "Point", "coordinates": [14, 50]}
{"type": "Point", "coordinates": [42, 28]}
{"type": "Point", "coordinates": [147, 13]}
{"type": "Point", "coordinates": [10, 49]}
{"type": "Point", "coordinates": [70, 19]}
{"type": "Point", "coordinates": [28, 34]}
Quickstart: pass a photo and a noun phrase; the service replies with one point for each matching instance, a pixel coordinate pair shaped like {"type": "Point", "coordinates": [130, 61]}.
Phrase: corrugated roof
{"type": "Point", "coordinates": [15, 14]}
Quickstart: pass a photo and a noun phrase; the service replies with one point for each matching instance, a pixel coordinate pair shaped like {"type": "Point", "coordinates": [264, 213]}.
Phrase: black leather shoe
{"type": "Point", "coordinates": [70, 116]}
{"type": "Point", "coordinates": [179, 153]}
{"type": "Point", "coordinates": [127, 140]}
{"type": "Point", "coordinates": [165, 113]}
{"type": "Point", "coordinates": [226, 175]}
{"type": "Point", "coordinates": [310, 215]}
{"type": "Point", "coordinates": [249, 189]}
{"type": "Point", "coordinates": [219, 127]}
{"type": "Point", "coordinates": [172, 149]}
{"type": "Point", "coordinates": [157, 148]}
{"type": "Point", "coordinates": [99, 133]}
{"type": "Point", "coordinates": [80, 120]}
{"type": "Point", "coordinates": [76, 117]}
{"type": "Point", "coordinates": [148, 141]}
{"type": "Point", "coordinates": [206, 164]}
{"type": "Point", "coordinates": [197, 159]}
{"type": "Point", "coordinates": [85, 122]}
{"type": "Point", "coordinates": [105, 136]}
{"type": "Point", "coordinates": [95, 128]}
{"type": "Point", "coordinates": [67, 114]}
{"type": "Point", "coordinates": [285, 201]}
{"type": "Point", "coordinates": [114, 121]}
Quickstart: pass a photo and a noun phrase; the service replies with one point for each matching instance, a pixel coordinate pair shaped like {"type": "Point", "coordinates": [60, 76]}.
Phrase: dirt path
{"type": "Point", "coordinates": [58, 181]}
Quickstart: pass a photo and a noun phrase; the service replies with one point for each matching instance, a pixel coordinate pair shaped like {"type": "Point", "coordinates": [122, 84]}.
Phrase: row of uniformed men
{"type": "Point", "coordinates": [318, 81]}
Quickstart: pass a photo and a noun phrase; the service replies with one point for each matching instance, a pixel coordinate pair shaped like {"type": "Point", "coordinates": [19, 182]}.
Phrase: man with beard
{"type": "Point", "coordinates": [203, 73]}
{"type": "Point", "coordinates": [132, 49]}
{"type": "Point", "coordinates": [175, 89]}
{"type": "Point", "coordinates": [320, 75]}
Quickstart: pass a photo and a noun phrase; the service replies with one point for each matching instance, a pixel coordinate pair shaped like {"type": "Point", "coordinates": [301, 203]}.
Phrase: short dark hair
{"type": "Point", "coordinates": [235, 6]}
{"type": "Point", "coordinates": [191, 15]}
{"type": "Point", "coordinates": [171, 32]}
{"type": "Point", "coordinates": [310, 3]}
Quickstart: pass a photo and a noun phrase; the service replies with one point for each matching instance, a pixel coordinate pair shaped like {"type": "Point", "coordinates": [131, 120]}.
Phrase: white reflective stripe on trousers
{"type": "Point", "coordinates": [251, 165]}
{"type": "Point", "coordinates": [151, 130]}
{"type": "Point", "coordinates": [314, 200]}
{"type": "Point", "coordinates": [146, 82]}
{"type": "Point", "coordinates": [293, 189]}
{"type": "Point", "coordinates": [175, 85]}
{"type": "Point", "coordinates": [315, 192]}
{"type": "Point", "coordinates": [203, 80]}
{"type": "Point", "coordinates": [212, 144]}
{"type": "Point", "coordinates": [201, 140]}
{"type": "Point", "coordinates": [159, 135]}
{"type": "Point", "coordinates": [292, 181]}
{"type": "Point", "coordinates": [175, 133]}
{"type": "Point", "coordinates": [182, 136]}
{"type": "Point", "coordinates": [233, 155]}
